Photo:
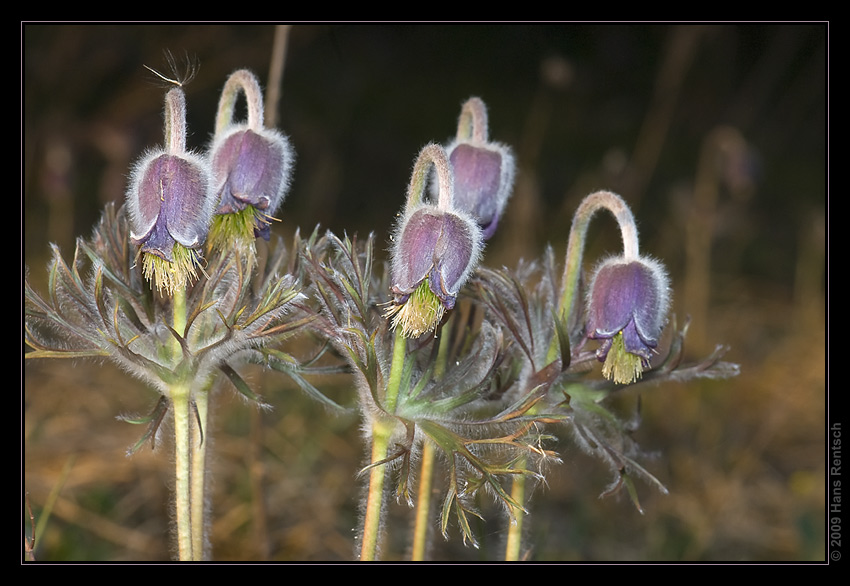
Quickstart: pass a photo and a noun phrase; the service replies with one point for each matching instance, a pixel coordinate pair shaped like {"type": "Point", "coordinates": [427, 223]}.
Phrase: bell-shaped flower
{"type": "Point", "coordinates": [483, 170]}
{"type": "Point", "coordinates": [627, 308]}
{"type": "Point", "coordinates": [251, 166]}
{"type": "Point", "coordinates": [170, 205]}
{"type": "Point", "coordinates": [435, 249]}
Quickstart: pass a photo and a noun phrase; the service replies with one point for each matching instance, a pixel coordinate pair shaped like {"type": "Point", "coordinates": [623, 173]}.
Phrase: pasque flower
{"type": "Point", "coordinates": [435, 249]}
{"type": "Point", "coordinates": [628, 297]}
{"type": "Point", "coordinates": [483, 170]}
{"type": "Point", "coordinates": [251, 166]}
{"type": "Point", "coordinates": [170, 204]}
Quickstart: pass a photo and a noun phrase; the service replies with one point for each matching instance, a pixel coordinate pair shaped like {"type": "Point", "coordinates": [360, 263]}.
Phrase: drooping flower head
{"type": "Point", "coordinates": [435, 249]}
{"type": "Point", "coordinates": [251, 167]}
{"type": "Point", "coordinates": [628, 298]}
{"type": "Point", "coordinates": [170, 204]}
{"type": "Point", "coordinates": [483, 170]}
{"type": "Point", "coordinates": [627, 308]}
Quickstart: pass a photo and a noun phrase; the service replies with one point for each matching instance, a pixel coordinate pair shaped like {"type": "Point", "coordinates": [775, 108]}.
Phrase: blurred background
{"type": "Point", "coordinates": [715, 135]}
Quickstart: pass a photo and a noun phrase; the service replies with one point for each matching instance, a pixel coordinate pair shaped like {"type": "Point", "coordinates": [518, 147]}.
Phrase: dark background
{"type": "Point", "coordinates": [623, 107]}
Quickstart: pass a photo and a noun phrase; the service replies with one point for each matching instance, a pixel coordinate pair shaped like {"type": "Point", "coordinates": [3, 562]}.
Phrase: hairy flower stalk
{"type": "Point", "coordinates": [628, 298]}
{"type": "Point", "coordinates": [251, 168]}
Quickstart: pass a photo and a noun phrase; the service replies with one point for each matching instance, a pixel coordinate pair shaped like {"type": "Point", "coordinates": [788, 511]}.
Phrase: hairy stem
{"type": "Point", "coordinates": [198, 492]}
{"type": "Point", "coordinates": [182, 495]}
{"type": "Point", "coordinates": [382, 429]}
{"type": "Point", "coordinates": [423, 503]}
{"type": "Point", "coordinates": [375, 498]}
{"type": "Point", "coordinates": [512, 548]}
{"type": "Point", "coordinates": [426, 472]}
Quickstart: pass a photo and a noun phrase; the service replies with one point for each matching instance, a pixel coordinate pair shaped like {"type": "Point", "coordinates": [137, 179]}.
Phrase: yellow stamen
{"type": "Point", "coordinates": [168, 276]}
{"type": "Point", "coordinates": [421, 313]}
{"type": "Point", "coordinates": [621, 366]}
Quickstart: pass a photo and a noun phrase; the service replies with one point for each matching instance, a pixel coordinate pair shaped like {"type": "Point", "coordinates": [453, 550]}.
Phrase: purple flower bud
{"type": "Point", "coordinates": [168, 202]}
{"type": "Point", "coordinates": [482, 183]}
{"type": "Point", "coordinates": [250, 168]}
{"type": "Point", "coordinates": [440, 247]}
{"type": "Point", "coordinates": [483, 170]}
{"type": "Point", "coordinates": [170, 205]}
{"type": "Point", "coordinates": [627, 308]}
{"type": "Point", "coordinates": [251, 164]}
{"type": "Point", "coordinates": [436, 248]}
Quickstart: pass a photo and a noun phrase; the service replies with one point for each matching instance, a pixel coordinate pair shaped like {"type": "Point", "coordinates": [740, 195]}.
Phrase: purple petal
{"type": "Point", "coordinates": [249, 169]}
{"type": "Point", "coordinates": [414, 257]}
{"type": "Point", "coordinates": [184, 192]}
{"type": "Point", "coordinates": [454, 254]}
{"type": "Point", "coordinates": [436, 245]}
{"type": "Point", "coordinates": [626, 297]}
{"type": "Point", "coordinates": [145, 197]}
{"type": "Point", "coordinates": [477, 182]}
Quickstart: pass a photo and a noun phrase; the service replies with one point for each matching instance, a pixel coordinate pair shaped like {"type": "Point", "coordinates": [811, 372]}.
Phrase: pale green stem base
{"type": "Point", "coordinates": [426, 471]}
{"type": "Point", "coordinates": [182, 494]}
{"type": "Point", "coordinates": [372, 521]}
{"type": "Point", "coordinates": [382, 429]}
{"type": "Point", "coordinates": [188, 463]}
{"type": "Point", "coordinates": [199, 459]}
{"type": "Point", "coordinates": [514, 543]}
{"type": "Point", "coordinates": [423, 504]}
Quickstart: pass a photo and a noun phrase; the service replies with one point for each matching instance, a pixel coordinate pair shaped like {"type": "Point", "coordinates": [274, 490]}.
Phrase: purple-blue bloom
{"type": "Point", "coordinates": [479, 184]}
{"type": "Point", "coordinates": [483, 170]}
{"type": "Point", "coordinates": [169, 204]}
{"type": "Point", "coordinates": [627, 308]}
{"type": "Point", "coordinates": [441, 247]}
{"type": "Point", "coordinates": [250, 168]}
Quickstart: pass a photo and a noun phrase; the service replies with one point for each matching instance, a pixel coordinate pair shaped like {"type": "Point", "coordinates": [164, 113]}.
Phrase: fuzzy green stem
{"type": "Point", "coordinates": [381, 433]}
{"type": "Point", "coordinates": [240, 81]}
{"type": "Point", "coordinates": [382, 430]}
{"type": "Point", "coordinates": [182, 496]}
{"type": "Point", "coordinates": [180, 394]}
{"type": "Point", "coordinates": [436, 155]}
{"type": "Point", "coordinates": [423, 503]}
{"type": "Point", "coordinates": [396, 368]}
{"type": "Point", "coordinates": [198, 491]}
{"type": "Point", "coordinates": [472, 124]}
{"type": "Point", "coordinates": [512, 548]}
{"type": "Point", "coordinates": [175, 122]}
{"type": "Point", "coordinates": [179, 314]}
{"type": "Point", "coordinates": [426, 471]}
